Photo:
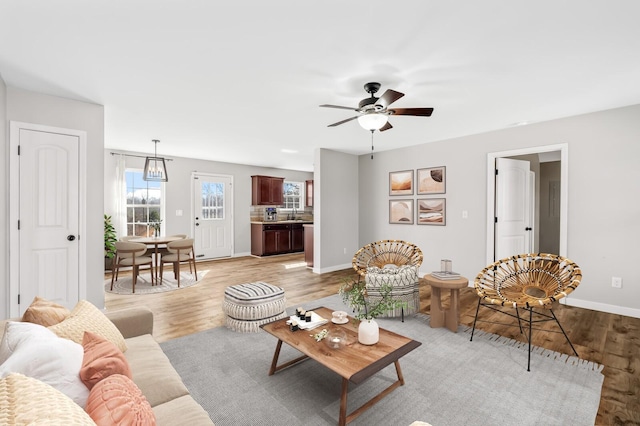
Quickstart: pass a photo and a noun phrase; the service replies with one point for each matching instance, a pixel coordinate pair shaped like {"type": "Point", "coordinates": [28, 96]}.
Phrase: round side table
{"type": "Point", "coordinates": [445, 317]}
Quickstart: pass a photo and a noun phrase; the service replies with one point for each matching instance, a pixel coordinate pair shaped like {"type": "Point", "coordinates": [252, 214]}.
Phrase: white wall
{"type": "Point", "coordinates": [603, 207]}
{"type": "Point", "coordinates": [36, 108]}
{"type": "Point", "coordinates": [336, 210]}
{"type": "Point", "coordinates": [178, 190]}
{"type": "Point", "coordinates": [4, 211]}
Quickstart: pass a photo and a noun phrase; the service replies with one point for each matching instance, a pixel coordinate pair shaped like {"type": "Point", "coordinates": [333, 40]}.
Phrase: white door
{"type": "Point", "coordinates": [513, 225]}
{"type": "Point", "coordinates": [212, 213]}
{"type": "Point", "coordinates": [48, 219]}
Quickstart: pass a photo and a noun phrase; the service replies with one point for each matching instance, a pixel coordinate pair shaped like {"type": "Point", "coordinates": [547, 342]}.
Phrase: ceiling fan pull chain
{"type": "Point", "coordinates": [372, 144]}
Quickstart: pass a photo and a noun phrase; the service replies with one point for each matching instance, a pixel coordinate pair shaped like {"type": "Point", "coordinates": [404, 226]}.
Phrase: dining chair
{"type": "Point", "coordinates": [178, 252]}
{"type": "Point", "coordinates": [131, 254]}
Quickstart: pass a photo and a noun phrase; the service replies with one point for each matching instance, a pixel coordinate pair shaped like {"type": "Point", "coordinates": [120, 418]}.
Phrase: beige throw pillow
{"type": "Point", "coordinates": [45, 312]}
{"type": "Point", "coordinates": [27, 401]}
{"type": "Point", "coordinates": [86, 317]}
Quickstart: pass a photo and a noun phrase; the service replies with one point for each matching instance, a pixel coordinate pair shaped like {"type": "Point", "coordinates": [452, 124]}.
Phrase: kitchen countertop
{"type": "Point", "coordinates": [284, 222]}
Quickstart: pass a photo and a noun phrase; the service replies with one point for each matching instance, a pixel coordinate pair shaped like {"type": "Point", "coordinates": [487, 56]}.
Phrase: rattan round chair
{"type": "Point", "coordinates": [393, 262]}
{"type": "Point", "coordinates": [386, 252]}
{"type": "Point", "coordinates": [527, 281]}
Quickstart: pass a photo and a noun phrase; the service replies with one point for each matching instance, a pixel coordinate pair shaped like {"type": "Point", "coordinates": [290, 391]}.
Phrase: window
{"type": "Point", "coordinates": [212, 200]}
{"type": "Point", "coordinates": [144, 204]}
{"type": "Point", "coordinates": [293, 195]}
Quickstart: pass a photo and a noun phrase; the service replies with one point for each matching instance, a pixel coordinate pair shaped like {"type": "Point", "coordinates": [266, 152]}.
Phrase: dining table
{"type": "Point", "coordinates": [156, 242]}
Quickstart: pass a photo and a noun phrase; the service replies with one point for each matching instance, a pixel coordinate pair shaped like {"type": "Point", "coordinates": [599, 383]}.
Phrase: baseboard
{"type": "Point", "coordinates": [602, 307]}
{"type": "Point", "coordinates": [332, 268]}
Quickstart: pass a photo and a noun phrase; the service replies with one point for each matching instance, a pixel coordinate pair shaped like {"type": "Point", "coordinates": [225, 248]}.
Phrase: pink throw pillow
{"type": "Point", "coordinates": [101, 359]}
{"type": "Point", "coordinates": [117, 401]}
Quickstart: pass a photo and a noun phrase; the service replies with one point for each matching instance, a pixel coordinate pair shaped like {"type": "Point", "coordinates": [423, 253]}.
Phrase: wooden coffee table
{"type": "Point", "coordinates": [354, 362]}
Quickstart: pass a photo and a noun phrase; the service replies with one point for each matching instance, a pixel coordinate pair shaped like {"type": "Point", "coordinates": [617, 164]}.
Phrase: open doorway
{"type": "Point", "coordinates": [547, 197]}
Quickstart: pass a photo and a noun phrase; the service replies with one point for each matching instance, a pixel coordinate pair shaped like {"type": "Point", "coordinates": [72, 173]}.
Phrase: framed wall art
{"type": "Point", "coordinates": [432, 211]}
{"type": "Point", "coordinates": [401, 183]}
{"type": "Point", "coordinates": [432, 180]}
{"type": "Point", "coordinates": [401, 211]}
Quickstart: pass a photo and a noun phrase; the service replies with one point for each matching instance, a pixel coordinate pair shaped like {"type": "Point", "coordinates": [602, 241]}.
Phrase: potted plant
{"type": "Point", "coordinates": [366, 310]}
{"type": "Point", "coordinates": [110, 238]}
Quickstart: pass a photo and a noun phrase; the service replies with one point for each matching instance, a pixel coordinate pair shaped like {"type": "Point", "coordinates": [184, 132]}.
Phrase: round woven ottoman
{"type": "Point", "coordinates": [248, 306]}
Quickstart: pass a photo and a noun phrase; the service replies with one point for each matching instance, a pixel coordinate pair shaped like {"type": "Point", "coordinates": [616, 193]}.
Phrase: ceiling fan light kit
{"type": "Point", "coordinates": [372, 121]}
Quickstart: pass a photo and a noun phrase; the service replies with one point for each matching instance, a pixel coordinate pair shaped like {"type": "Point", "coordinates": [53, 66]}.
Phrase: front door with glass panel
{"type": "Point", "coordinates": [212, 213]}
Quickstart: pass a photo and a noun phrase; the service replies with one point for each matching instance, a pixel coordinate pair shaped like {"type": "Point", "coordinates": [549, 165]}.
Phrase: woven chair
{"type": "Point", "coordinates": [394, 262]}
{"type": "Point", "coordinates": [530, 282]}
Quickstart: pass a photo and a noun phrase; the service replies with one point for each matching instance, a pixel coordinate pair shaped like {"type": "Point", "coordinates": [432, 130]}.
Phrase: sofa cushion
{"type": "Point", "coordinates": [152, 371]}
{"type": "Point", "coordinates": [116, 400]}
{"type": "Point", "coordinates": [101, 359]}
{"type": "Point", "coordinates": [183, 411]}
{"type": "Point", "coordinates": [45, 312]}
{"type": "Point", "coordinates": [35, 351]}
{"type": "Point", "coordinates": [86, 317]}
{"type": "Point", "coordinates": [28, 401]}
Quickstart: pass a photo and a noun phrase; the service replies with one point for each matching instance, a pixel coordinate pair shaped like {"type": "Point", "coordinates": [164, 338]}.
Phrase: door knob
{"type": "Point", "coordinates": [528, 229]}
{"type": "Point", "coordinates": [71, 237]}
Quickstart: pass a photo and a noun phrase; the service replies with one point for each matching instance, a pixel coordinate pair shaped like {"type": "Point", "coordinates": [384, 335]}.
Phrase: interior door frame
{"type": "Point", "coordinates": [14, 210]}
{"type": "Point", "coordinates": [491, 192]}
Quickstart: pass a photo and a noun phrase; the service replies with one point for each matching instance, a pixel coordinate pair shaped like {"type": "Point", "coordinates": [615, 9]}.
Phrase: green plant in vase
{"type": "Point", "coordinates": [366, 309]}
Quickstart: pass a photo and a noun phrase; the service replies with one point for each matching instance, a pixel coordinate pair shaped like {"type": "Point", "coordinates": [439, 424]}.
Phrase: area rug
{"type": "Point", "coordinates": [448, 381]}
{"type": "Point", "coordinates": [143, 284]}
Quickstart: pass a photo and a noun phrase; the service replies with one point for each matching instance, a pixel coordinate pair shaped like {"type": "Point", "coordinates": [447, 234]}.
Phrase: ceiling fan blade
{"type": "Point", "coordinates": [339, 107]}
{"type": "Point", "coordinates": [342, 122]}
{"type": "Point", "coordinates": [387, 126]}
{"type": "Point", "coordinates": [389, 97]}
{"type": "Point", "coordinates": [423, 112]}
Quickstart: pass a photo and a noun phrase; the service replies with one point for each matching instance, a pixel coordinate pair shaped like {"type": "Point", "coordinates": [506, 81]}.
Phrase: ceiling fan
{"type": "Point", "coordinates": [373, 113]}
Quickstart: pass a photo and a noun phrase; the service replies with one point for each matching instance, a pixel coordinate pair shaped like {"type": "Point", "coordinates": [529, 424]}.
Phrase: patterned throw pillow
{"type": "Point", "coordinates": [86, 317]}
{"type": "Point", "coordinates": [101, 359]}
{"type": "Point", "coordinates": [28, 401]}
{"type": "Point", "coordinates": [117, 400]}
{"type": "Point", "coordinates": [44, 312]}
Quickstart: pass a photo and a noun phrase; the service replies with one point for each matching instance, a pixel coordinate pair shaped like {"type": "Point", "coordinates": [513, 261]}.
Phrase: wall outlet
{"type": "Point", "coordinates": [616, 282]}
{"type": "Point", "coordinates": [344, 250]}
{"type": "Point", "coordinates": [465, 214]}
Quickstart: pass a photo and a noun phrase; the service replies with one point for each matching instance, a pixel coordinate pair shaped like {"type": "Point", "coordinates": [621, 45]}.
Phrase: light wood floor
{"type": "Point", "coordinates": [611, 340]}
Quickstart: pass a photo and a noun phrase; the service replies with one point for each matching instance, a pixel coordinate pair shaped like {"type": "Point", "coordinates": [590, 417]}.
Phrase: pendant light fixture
{"type": "Point", "coordinates": [154, 167]}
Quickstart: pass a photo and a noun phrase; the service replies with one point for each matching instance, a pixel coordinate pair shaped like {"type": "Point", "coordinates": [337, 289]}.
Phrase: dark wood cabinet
{"type": "Point", "coordinates": [277, 238]}
{"type": "Point", "coordinates": [267, 191]}
{"type": "Point", "coordinates": [297, 237]}
{"type": "Point", "coordinates": [308, 193]}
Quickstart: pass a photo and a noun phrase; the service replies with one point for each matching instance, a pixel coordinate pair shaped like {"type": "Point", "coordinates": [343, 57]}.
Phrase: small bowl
{"type": "Point", "coordinates": [336, 339]}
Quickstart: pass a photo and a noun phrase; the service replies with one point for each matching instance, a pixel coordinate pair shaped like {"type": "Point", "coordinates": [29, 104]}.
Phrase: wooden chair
{"type": "Point", "coordinates": [527, 281]}
{"type": "Point", "coordinates": [131, 254]}
{"type": "Point", "coordinates": [376, 263]}
{"type": "Point", "coordinates": [179, 251]}
{"type": "Point", "coordinates": [163, 249]}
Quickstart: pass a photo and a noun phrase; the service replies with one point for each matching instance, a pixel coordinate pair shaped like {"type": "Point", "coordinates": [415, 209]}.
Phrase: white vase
{"type": "Point", "coordinates": [368, 332]}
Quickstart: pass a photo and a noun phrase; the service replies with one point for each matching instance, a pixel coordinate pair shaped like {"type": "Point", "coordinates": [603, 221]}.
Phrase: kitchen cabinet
{"type": "Point", "coordinates": [297, 237]}
{"type": "Point", "coordinates": [267, 191]}
{"type": "Point", "coordinates": [308, 202]}
{"type": "Point", "coordinates": [308, 245]}
{"type": "Point", "coordinates": [276, 238]}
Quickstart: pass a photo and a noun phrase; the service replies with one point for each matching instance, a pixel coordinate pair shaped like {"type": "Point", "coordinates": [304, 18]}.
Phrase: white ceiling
{"type": "Point", "coordinates": [240, 81]}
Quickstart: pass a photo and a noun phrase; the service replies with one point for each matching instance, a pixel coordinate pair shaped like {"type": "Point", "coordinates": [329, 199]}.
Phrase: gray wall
{"type": "Point", "coordinates": [36, 108]}
{"type": "Point", "coordinates": [178, 190]}
{"type": "Point", "coordinates": [549, 218]}
{"type": "Point", "coordinates": [336, 210]}
{"type": "Point", "coordinates": [603, 206]}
